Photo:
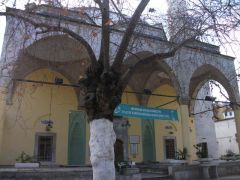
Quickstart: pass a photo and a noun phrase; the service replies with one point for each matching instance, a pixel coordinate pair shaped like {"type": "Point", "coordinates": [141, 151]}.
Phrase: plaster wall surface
{"type": "Point", "coordinates": [226, 136]}
{"type": "Point", "coordinates": [205, 126]}
{"type": "Point", "coordinates": [161, 132]}
{"type": "Point", "coordinates": [135, 128]}
{"type": "Point", "coordinates": [32, 105]}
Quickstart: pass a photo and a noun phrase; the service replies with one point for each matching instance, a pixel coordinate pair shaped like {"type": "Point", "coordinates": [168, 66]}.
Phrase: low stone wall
{"type": "Point", "coordinates": [177, 172]}
{"type": "Point", "coordinates": [45, 173]}
{"type": "Point", "coordinates": [69, 173]}
{"type": "Point", "coordinates": [129, 174]}
{"type": "Point", "coordinates": [129, 177]}
{"type": "Point", "coordinates": [186, 172]}
{"type": "Point", "coordinates": [205, 170]}
{"type": "Point", "coordinates": [230, 168]}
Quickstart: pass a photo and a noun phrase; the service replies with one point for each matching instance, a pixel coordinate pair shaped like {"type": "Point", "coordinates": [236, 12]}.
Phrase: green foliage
{"type": "Point", "coordinates": [24, 158]}
{"type": "Point", "coordinates": [181, 154]}
{"type": "Point", "coordinates": [122, 165]}
{"type": "Point", "coordinates": [230, 153]}
{"type": "Point", "coordinates": [202, 150]}
{"type": "Point", "coordinates": [230, 156]}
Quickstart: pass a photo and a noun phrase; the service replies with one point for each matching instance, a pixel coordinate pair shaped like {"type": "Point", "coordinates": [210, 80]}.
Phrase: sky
{"type": "Point", "coordinates": [2, 30]}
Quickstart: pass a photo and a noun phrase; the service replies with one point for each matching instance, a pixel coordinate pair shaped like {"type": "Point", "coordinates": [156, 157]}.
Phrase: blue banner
{"type": "Point", "coordinates": [147, 113]}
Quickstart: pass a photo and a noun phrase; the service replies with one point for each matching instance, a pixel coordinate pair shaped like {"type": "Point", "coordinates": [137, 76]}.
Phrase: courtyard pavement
{"type": "Point", "coordinates": [227, 178]}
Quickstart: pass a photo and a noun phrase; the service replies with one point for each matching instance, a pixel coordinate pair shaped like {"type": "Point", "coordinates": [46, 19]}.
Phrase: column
{"type": "Point", "coordinates": [237, 121]}
{"type": "Point", "coordinates": [186, 128]}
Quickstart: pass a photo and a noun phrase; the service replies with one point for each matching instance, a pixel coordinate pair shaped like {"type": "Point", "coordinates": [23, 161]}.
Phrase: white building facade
{"type": "Point", "coordinates": [226, 134]}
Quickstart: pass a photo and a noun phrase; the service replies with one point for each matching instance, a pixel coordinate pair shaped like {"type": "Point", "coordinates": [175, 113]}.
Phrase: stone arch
{"type": "Point", "coordinates": [162, 74]}
{"type": "Point", "coordinates": [37, 56]}
{"type": "Point", "coordinates": [151, 68]}
{"type": "Point", "coordinates": [208, 72]}
{"type": "Point", "coordinates": [134, 58]}
{"type": "Point", "coordinates": [66, 38]}
{"type": "Point", "coordinates": [128, 95]}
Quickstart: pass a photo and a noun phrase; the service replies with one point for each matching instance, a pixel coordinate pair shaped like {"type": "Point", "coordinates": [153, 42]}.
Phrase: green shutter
{"type": "Point", "coordinates": [148, 138]}
{"type": "Point", "coordinates": [77, 138]}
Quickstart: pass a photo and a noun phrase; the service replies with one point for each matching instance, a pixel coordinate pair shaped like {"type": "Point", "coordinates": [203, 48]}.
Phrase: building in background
{"type": "Point", "coordinates": [226, 132]}
{"type": "Point", "coordinates": [204, 119]}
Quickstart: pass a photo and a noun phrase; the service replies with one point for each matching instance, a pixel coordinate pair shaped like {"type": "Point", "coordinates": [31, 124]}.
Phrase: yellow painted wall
{"type": "Point", "coordinates": [31, 104]}
{"type": "Point", "coordinates": [135, 128]}
{"type": "Point", "coordinates": [193, 138]}
{"type": "Point", "coordinates": [160, 131]}
{"type": "Point", "coordinates": [3, 93]}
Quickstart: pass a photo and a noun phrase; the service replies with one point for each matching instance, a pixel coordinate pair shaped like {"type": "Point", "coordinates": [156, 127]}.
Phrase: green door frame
{"type": "Point", "coordinates": [77, 138]}
{"type": "Point", "coordinates": [148, 140]}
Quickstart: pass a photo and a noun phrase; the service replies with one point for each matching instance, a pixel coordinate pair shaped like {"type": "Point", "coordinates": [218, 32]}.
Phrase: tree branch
{"type": "Point", "coordinates": [127, 36]}
{"type": "Point", "coordinates": [104, 55]}
{"type": "Point", "coordinates": [99, 3]}
{"type": "Point", "coordinates": [118, 11]}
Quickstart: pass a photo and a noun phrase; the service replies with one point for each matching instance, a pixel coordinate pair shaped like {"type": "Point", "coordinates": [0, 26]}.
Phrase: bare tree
{"type": "Point", "coordinates": [106, 78]}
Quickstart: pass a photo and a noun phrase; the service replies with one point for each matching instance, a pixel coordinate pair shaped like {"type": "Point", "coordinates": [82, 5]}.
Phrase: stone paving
{"type": "Point", "coordinates": [228, 178]}
{"type": "Point", "coordinates": [86, 171]}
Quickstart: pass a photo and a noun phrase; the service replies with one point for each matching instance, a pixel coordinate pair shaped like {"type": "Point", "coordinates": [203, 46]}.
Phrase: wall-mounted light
{"type": "Point", "coordinates": [48, 123]}
{"type": "Point", "coordinates": [210, 98]}
{"type": "Point", "coordinates": [58, 80]}
{"type": "Point", "coordinates": [126, 124]}
{"type": "Point", "coordinates": [147, 91]}
{"type": "Point", "coordinates": [168, 127]}
{"type": "Point", "coordinates": [190, 129]}
{"type": "Point", "coordinates": [81, 77]}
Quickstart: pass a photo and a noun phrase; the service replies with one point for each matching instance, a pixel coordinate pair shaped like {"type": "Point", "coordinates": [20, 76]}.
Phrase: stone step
{"type": "Point", "coordinates": [154, 176]}
{"type": "Point", "coordinates": [158, 178]}
{"type": "Point", "coordinates": [162, 171]}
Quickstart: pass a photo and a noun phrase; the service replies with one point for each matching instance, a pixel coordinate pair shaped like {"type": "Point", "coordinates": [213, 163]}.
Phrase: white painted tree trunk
{"type": "Point", "coordinates": [102, 139]}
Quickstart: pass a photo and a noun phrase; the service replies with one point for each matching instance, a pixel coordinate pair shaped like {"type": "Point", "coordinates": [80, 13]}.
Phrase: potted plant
{"type": "Point", "coordinates": [25, 161]}
{"type": "Point", "coordinates": [120, 166]}
{"type": "Point", "coordinates": [181, 154]}
{"type": "Point", "coordinates": [202, 152]}
{"type": "Point", "coordinates": [230, 155]}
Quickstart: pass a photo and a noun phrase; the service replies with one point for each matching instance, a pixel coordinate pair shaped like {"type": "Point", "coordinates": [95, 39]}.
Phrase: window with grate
{"type": "Point", "coordinates": [45, 148]}
{"type": "Point", "coordinates": [170, 148]}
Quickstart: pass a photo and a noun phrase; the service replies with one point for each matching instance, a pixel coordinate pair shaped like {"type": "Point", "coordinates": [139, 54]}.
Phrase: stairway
{"type": "Point", "coordinates": [154, 172]}
{"type": "Point", "coordinates": [155, 176]}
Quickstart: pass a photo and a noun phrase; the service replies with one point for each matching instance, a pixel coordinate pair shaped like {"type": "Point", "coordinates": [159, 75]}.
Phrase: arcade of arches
{"type": "Point", "coordinates": [45, 120]}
